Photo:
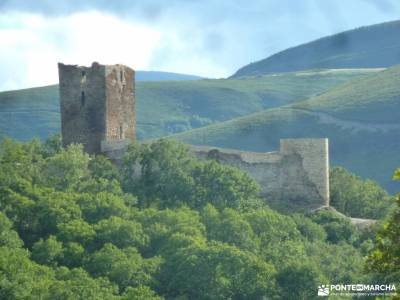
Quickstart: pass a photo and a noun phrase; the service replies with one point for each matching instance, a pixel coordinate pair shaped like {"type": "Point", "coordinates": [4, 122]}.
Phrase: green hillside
{"type": "Point", "coordinates": [167, 107]}
{"type": "Point", "coordinates": [372, 99]}
{"type": "Point", "coordinates": [160, 76]}
{"type": "Point", "coordinates": [360, 117]}
{"type": "Point", "coordinates": [366, 47]}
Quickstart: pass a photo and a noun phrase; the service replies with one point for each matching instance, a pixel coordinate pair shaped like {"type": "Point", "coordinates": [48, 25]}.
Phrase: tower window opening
{"type": "Point", "coordinates": [83, 98]}
{"type": "Point", "coordinates": [83, 73]}
{"type": "Point", "coordinates": [121, 75]}
{"type": "Point", "coordinates": [120, 132]}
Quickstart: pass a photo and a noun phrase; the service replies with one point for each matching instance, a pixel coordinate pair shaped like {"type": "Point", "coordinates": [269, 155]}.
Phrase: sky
{"type": "Point", "coordinates": [210, 38]}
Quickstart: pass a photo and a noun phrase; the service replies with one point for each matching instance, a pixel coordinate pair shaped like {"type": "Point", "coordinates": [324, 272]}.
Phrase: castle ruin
{"type": "Point", "coordinates": [97, 104]}
{"type": "Point", "coordinates": [98, 110]}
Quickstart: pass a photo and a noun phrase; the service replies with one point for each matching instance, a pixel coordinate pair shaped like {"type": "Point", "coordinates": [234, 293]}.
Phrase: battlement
{"type": "Point", "coordinates": [97, 103]}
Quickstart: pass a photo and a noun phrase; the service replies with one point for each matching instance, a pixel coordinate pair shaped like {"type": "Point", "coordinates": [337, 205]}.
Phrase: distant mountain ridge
{"type": "Point", "coordinates": [161, 76]}
{"type": "Point", "coordinates": [372, 46]}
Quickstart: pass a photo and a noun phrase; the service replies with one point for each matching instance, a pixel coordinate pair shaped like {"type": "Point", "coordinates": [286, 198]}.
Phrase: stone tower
{"type": "Point", "coordinates": [97, 105]}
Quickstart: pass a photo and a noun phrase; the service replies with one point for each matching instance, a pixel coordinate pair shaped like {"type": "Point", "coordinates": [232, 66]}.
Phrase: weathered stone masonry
{"type": "Point", "coordinates": [297, 173]}
{"type": "Point", "coordinates": [103, 119]}
{"type": "Point", "coordinates": [97, 104]}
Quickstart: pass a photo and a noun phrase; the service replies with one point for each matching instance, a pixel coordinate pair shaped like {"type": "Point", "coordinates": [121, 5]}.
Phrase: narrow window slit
{"type": "Point", "coordinates": [83, 98]}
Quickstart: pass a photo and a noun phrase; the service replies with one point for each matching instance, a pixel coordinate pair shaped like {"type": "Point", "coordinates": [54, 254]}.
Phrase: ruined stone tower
{"type": "Point", "coordinates": [97, 105]}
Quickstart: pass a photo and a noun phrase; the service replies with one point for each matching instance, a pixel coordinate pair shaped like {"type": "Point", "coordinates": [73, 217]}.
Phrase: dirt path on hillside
{"type": "Point", "coordinates": [354, 126]}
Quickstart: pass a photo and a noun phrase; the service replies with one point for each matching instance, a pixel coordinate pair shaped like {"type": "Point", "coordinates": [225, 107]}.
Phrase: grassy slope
{"type": "Point", "coordinates": [366, 47]}
{"type": "Point", "coordinates": [369, 152]}
{"type": "Point", "coordinates": [375, 98]}
{"type": "Point", "coordinates": [171, 106]}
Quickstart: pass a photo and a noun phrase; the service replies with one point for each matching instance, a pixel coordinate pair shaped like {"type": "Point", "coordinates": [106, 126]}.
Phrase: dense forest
{"type": "Point", "coordinates": [164, 225]}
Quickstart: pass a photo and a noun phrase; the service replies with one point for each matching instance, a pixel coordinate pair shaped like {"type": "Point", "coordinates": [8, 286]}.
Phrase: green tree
{"type": "Point", "coordinates": [357, 198]}
{"type": "Point", "coordinates": [283, 253]}
{"type": "Point", "coordinates": [299, 281]}
{"type": "Point", "coordinates": [20, 163]}
{"type": "Point", "coordinates": [224, 186]}
{"type": "Point", "coordinates": [76, 230]}
{"type": "Point", "coordinates": [66, 169]}
{"type": "Point", "coordinates": [121, 233]}
{"type": "Point", "coordinates": [102, 205]}
{"type": "Point", "coordinates": [141, 292]}
{"type": "Point", "coordinates": [49, 211]}
{"type": "Point", "coordinates": [73, 255]}
{"type": "Point", "coordinates": [338, 262]}
{"type": "Point", "coordinates": [161, 225]}
{"type": "Point", "coordinates": [217, 271]}
{"type": "Point", "coordinates": [77, 284]}
{"type": "Point", "coordinates": [229, 227]}
{"type": "Point", "coordinates": [125, 267]}
{"type": "Point", "coordinates": [384, 259]}
{"type": "Point", "coordinates": [20, 278]}
{"type": "Point", "coordinates": [8, 237]}
{"type": "Point", "coordinates": [101, 167]}
{"type": "Point", "coordinates": [338, 227]}
{"type": "Point", "coordinates": [164, 174]}
{"type": "Point", "coordinates": [47, 252]}
{"type": "Point", "coordinates": [52, 145]}
{"type": "Point", "coordinates": [279, 240]}
{"type": "Point", "coordinates": [99, 185]}
{"type": "Point", "coordinates": [309, 229]}
{"type": "Point", "coordinates": [271, 227]}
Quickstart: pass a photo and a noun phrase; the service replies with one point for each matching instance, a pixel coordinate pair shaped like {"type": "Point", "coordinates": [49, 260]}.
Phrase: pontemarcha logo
{"type": "Point", "coordinates": [323, 290]}
{"type": "Point", "coordinates": [357, 289]}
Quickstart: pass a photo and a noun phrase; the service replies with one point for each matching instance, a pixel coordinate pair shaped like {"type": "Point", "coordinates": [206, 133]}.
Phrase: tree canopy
{"type": "Point", "coordinates": [163, 225]}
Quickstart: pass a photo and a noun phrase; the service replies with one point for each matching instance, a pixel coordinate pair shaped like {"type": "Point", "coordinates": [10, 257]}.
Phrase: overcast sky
{"type": "Point", "coordinates": [207, 38]}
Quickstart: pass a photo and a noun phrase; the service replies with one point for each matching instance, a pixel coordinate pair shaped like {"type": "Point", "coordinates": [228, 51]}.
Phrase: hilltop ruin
{"type": "Point", "coordinates": [98, 110]}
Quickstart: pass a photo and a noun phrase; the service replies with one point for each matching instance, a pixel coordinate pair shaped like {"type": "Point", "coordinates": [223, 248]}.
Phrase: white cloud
{"type": "Point", "coordinates": [31, 45]}
{"type": "Point", "coordinates": [208, 38]}
{"type": "Point", "coordinates": [183, 50]}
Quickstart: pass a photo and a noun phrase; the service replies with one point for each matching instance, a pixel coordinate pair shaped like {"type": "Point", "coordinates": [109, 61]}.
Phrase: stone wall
{"type": "Point", "coordinates": [82, 105]}
{"type": "Point", "coordinates": [120, 99]}
{"type": "Point", "coordinates": [97, 103]}
{"type": "Point", "coordinates": [315, 161]}
{"type": "Point", "coordinates": [295, 178]}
